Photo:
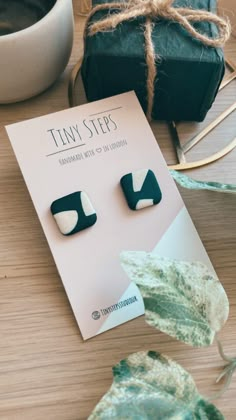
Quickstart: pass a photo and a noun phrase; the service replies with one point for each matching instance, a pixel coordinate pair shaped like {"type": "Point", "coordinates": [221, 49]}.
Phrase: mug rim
{"type": "Point", "coordinates": [34, 26]}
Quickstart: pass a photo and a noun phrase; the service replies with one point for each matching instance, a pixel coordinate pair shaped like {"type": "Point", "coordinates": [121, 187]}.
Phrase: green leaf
{"type": "Point", "coordinates": [149, 386]}
{"type": "Point", "coordinates": [183, 299]}
{"type": "Point", "coordinates": [187, 182]}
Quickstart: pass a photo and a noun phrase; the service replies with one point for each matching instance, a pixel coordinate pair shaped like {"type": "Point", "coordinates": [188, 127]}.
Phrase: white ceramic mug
{"type": "Point", "coordinates": [33, 58]}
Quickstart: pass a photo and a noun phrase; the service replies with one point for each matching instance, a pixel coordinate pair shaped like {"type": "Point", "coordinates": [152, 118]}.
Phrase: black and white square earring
{"type": "Point", "coordinates": [73, 213]}
{"type": "Point", "coordinates": [141, 189]}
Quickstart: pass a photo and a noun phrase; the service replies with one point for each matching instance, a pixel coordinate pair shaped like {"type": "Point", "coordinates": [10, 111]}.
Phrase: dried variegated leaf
{"type": "Point", "coordinates": [187, 182]}
{"type": "Point", "coordinates": [182, 299]}
{"type": "Point", "coordinates": [150, 386]}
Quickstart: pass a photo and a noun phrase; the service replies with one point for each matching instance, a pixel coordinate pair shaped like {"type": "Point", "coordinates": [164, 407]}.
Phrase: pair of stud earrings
{"type": "Point", "coordinates": [75, 212]}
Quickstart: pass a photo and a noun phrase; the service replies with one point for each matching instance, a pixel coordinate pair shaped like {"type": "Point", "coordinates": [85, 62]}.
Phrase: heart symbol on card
{"type": "Point", "coordinates": [99, 150]}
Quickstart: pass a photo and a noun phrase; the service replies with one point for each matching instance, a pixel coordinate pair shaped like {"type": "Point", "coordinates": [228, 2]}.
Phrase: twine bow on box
{"type": "Point", "coordinates": [152, 10]}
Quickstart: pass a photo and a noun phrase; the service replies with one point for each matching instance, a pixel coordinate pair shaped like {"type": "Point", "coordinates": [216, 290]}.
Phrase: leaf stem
{"type": "Point", "coordinates": [227, 373]}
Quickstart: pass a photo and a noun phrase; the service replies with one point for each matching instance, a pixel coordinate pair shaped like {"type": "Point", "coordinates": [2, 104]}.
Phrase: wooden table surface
{"type": "Point", "coordinates": [46, 370]}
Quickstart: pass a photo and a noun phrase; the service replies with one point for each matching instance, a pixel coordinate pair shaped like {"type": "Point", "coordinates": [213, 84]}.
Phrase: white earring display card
{"type": "Point", "coordinates": [72, 162]}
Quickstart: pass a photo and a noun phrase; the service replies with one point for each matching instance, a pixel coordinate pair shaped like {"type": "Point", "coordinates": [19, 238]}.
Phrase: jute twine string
{"type": "Point", "coordinates": [151, 10]}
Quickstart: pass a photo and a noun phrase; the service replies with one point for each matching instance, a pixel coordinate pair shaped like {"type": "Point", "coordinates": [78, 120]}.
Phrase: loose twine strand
{"type": "Point", "coordinates": [151, 10]}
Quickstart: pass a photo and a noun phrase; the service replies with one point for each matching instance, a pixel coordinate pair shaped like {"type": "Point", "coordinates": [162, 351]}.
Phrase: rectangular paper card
{"type": "Point", "coordinates": [90, 148]}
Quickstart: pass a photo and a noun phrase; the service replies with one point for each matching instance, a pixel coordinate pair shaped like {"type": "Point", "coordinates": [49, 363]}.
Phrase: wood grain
{"type": "Point", "coordinates": [46, 370]}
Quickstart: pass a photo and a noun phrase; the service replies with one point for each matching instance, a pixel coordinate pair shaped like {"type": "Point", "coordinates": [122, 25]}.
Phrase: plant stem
{"type": "Point", "coordinates": [227, 373]}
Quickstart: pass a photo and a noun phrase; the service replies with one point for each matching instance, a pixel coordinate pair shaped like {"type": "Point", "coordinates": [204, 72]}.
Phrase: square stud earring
{"type": "Point", "coordinates": [73, 213]}
{"type": "Point", "coordinates": [141, 189]}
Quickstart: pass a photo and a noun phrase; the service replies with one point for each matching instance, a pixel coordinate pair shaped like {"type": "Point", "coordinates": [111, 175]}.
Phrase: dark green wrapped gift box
{"type": "Point", "coordinates": [188, 73]}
